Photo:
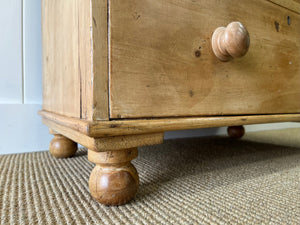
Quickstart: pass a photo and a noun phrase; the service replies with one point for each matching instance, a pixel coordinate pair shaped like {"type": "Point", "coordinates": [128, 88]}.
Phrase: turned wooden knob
{"type": "Point", "coordinates": [231, 41]}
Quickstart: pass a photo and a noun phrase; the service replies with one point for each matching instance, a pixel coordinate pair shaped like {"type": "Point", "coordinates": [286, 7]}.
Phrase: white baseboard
{"type": "Point", "coordinates": [22, 129]}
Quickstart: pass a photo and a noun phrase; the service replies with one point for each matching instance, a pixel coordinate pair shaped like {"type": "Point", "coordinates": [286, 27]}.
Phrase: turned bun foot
{"type": "Point", "coordinates": [236, 131]}
{"type": "Point", "coordinates": [114, 180]}
{"type": "Point", "coordinates": [62, 147]}
{"type": "Point", "coordinates": [114, 185]}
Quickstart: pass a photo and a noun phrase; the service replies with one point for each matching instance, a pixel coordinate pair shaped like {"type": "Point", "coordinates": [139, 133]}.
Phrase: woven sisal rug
{"type": "Point", "coordinates": [213, 180]}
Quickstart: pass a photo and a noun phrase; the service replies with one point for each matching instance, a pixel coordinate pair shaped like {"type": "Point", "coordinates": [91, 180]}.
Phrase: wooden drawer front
{"type": "Point", "coordinates": [156, 69]}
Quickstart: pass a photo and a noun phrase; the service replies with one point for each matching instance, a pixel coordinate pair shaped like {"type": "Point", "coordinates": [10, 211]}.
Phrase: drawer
{"type": "Point", "coordinates": [161, 62]}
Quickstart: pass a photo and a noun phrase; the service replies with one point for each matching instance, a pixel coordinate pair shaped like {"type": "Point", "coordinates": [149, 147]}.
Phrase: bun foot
{"type": "Point", "coordinates": [62, 147]}
{"type": "Point", "coordinates": [236, 131]}
{"type": "Point", "coordinates": [114, 180]}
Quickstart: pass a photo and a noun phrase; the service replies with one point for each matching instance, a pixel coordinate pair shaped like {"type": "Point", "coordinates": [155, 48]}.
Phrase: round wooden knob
{"type": "Point", "coordinates": [231, 41]}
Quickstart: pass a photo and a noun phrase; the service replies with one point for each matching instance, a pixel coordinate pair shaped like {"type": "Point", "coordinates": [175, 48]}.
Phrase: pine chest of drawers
{"type": "Point", "coordinates": [118, 73]}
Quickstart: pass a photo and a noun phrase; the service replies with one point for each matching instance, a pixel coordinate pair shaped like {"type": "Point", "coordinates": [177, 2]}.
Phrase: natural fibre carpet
{"type": "Point", "coordinates": [211, 180]}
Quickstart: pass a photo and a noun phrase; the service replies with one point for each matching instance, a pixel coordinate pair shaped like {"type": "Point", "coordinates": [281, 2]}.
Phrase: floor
{"type": "Point", "coordinates": [211, 180]}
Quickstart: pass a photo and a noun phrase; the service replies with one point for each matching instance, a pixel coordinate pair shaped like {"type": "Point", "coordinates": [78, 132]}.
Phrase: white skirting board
{"type": "Point", "coordinates": [23, 131]}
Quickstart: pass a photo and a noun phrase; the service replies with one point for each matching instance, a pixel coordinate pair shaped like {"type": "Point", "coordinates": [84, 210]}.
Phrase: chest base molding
{"type": "Point", "coordinates": [149, 126]}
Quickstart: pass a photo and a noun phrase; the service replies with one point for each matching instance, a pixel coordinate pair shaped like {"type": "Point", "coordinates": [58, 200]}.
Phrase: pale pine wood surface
{"type": "Point", "coordinates": [85, 58]}
{"type": "Point", "coordinates": [106, 143]}
{"type": "Point", "coordinates": [100, 59]}
{"type": "Point", "coordinates": [293, 5]}
{"type": "Point", "coordinates": [114, 180]}
{"type": "Point", "coordinates": [230, 42]}
{"type": "Point", "coordinates": [156, 67]}
{"type": "Point", "coordinates": [144, 126]}
{"type": "Point", "coordinates": [61, 76]}
{"type": "Point", "coordinates": [75, 58]}
{"type": "Point", "coordinates": [62, 147]}
{"type": "Point", "coordinates": [155, 71]}
{"type": "Point", "coordinates": [108, 59]}
{"type": "Point", "coordinates": [110, 157]}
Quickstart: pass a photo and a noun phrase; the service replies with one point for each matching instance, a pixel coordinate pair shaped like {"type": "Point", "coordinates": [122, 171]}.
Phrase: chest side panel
{"type": "Point", "coordinates": [61, 78]}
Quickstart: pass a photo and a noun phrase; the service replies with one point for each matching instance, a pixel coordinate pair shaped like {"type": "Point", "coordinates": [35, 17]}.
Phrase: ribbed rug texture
{"type": "Point", "coordinates": [211, 180]}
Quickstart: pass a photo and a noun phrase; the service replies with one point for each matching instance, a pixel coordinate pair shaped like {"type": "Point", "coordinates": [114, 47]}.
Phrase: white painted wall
{"type": "Point", "coordinates": [32, 53]}
{"type": "Point", "coordinates": [11, 52]}
{"type": "Point", "coordinates": [21, 83]}
{"type": "Point", "coordinates": [21, 78]}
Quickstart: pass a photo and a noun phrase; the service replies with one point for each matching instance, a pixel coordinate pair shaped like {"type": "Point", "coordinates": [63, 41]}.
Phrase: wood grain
{"type": "Point", "coordinates": [293, 5]}
{"type": "Point", "coordinates": [75, 58]}
{"type": "Point", "coordinates": [62, 147]}
{"type": "Point", "coordinates": [110, 157]}
{"type": "Point", "coordinates": [162, 64]}
{"type": "Point", "coordinates": [61, 76]}
{"type": "Point", "coordinates": [85, 53]}
{"type": "Point", "coordinates": [230, 42]}
{"type": "Point", "coordinates": [100, 59]}
{"type": "Point", "coordinates": [128, 127]}
{"type": "Point", "coordinates": [53, 132]}
{"type": "Point", "coordinates": [114, 180]}
{"type": "Point", "coordinates": [107, 143]}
